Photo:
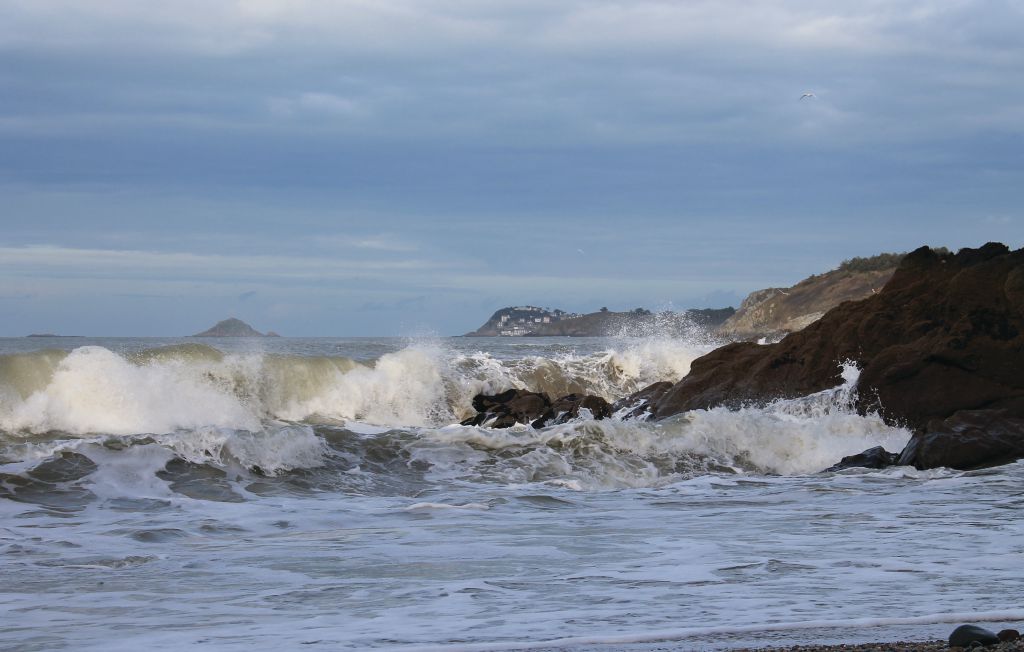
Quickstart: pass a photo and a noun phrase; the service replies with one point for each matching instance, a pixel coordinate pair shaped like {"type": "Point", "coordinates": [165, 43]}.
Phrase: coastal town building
{"type": "Point", "coordinates": [518, 321]}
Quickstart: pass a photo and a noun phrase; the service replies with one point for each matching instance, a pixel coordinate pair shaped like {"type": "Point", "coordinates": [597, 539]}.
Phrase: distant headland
{"type": "Point", "coordinates": [770, 313]}
{"type": "Point", "coordinates": [531, 321]}
{"type": "Point", "coordinates": [233, 327]}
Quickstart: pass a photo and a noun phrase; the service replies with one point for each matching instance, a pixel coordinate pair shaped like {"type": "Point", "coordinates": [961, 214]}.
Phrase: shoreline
{"type": "Point", "coordinates": [897, 646]}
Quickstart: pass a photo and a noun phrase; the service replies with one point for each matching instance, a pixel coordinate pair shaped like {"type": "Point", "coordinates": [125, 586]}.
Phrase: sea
{"type": "Point", "coordinates": [320, 494]}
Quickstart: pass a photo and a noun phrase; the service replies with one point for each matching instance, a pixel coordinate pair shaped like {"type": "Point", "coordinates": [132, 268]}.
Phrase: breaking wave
{"type": "Point", "coordinates": [387, 425]}
{"type": "Point", "coordinates": [185, 387]}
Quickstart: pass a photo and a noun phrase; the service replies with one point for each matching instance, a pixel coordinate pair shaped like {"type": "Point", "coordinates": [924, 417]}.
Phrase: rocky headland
{"type": "Point", "coordinates": [233, 327]}
{"type": "Point", "coordinates": [530, 321]}
{"type": "Point", "coordinates": [774, 312]}
{"type": "Point", "coordinates": [939, 347]}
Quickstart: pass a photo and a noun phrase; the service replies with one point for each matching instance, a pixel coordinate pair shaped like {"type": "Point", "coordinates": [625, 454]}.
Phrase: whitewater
{"type": "Point", "coordinates": [319, 494]}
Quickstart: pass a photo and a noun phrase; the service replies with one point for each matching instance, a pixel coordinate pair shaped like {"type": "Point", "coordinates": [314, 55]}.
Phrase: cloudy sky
{"type": "Point", "coordinates": [401, 167]}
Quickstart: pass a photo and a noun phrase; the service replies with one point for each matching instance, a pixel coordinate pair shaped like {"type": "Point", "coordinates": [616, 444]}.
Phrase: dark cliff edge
{"type": "Point", "coordinates": [940, 348]}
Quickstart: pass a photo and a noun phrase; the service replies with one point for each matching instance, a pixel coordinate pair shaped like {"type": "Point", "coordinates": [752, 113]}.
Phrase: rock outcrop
{"type": "Point", "coordinates": [639, 403]}
{"type": "Point", "coordinates": [514, 406]}
{"type": "Point", "coordinates": [967, 440]}
{"type": "Point", "coordinates": [945, 335]}
{"type": "Point", "coordinates": [233, 328]}
{"type": "Point", "coordinates": [872, 458]}
{"type": "Point", "coordinates": [773, 312]}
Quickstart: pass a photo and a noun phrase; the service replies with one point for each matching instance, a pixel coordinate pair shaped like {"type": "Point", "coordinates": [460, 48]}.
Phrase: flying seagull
{"type": "Point", "coordinates": [808, 94]}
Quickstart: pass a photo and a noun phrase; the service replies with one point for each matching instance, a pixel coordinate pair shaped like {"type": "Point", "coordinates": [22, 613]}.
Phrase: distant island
{"type": "Point", "coordinates": [532, 321]}
{"type": "Point", "coordinates": [51, 335]}
{"type": "Point", "coordinates": [234, 328]}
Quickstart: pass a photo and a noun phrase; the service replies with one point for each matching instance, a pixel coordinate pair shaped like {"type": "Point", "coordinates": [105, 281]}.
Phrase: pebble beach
{"type": "Point", "coordinates": [899, 646]}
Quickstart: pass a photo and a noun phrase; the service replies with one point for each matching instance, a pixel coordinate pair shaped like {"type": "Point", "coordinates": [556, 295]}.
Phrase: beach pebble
{"type": "Point", "coordinates": [966, 635]}
{"type": "Point", "coordinates": [1006, 635]}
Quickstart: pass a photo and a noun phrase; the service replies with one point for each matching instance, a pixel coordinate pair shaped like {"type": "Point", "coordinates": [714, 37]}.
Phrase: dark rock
{"type": "Point", "coordinates": [514, 406]}
{"type": "Point", "coordinates": [568, 408]}
{"type": "Point", "coordinates": [508, 408]}
{"type": "Point", "coordinates": [483, 402]}
{"type": "Point", "coordinates": [944, 335]}
{"type": "Point", "coordinates": [967, 635]}
{"type": "Point", "coordinates": [639, 402]}
{"type": "Point", "coordinates": [872, 458]}
{"type": "Point", "coordinates": [1008, 635]}
{"type": "Point", "coordinates": [967, 440]}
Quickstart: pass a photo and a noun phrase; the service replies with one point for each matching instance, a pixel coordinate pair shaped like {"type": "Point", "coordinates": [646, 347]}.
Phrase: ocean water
{"type": "Point", "coordinates": [318, 494]}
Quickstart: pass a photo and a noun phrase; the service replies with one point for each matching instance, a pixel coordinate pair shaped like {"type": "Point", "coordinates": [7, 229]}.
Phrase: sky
{"type": "Point", "coordinates": [407, 167]}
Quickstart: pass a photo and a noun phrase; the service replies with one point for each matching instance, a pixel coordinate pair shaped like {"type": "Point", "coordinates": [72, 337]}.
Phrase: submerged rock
{"type": "Point", "coordinates": [945, 335]}
{"type": "Point", "coordinates": [568, 408]}
{"type": "Point", "coordinates": [638, 403]}
{"type": "Point", "coordinates": [968, 635]}
{"type": "Point", "coordinates": [872, 458]}
{"type": "Point", "coordinates": [508, 408]}
{"type": "Point", "coordinates": [514, 406]}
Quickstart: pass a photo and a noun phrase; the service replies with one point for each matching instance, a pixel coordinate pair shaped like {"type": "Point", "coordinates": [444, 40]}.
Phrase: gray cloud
{"type": "Point", "coordinates": [598, 72]}
{"type": "Point", "coordinates": [360, 153]}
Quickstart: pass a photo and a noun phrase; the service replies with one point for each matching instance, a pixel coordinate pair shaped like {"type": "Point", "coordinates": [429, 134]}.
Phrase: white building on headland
{"type": "Point", "coordinates": [524, 320]}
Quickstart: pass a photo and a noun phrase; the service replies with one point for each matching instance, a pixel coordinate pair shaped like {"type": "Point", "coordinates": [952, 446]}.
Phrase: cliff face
{"type": "Point", "coordinates": [945, 334]}
{"type": "Point", "coordinates": [777, 311]}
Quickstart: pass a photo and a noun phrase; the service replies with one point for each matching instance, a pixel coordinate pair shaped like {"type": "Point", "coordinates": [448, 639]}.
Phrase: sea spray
{"type": "Point", "coordinates": [274, 413]}
{"type": "Point", "coordinates": [94, 390]}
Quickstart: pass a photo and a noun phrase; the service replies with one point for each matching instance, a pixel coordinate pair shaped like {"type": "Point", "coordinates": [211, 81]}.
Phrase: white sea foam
{"type": "Point", "coordinates": [223, 409]}
{"type": "Point", "coordinates": [791, 437]}
{"type": "Point", "coordinates": [94, 390]}
{"type": "Point", "coordinates": [442, 506]}
{"type": "Point", "coordinates": [187, 387]}
{"type": "Point", "coordinates": [275, 449]}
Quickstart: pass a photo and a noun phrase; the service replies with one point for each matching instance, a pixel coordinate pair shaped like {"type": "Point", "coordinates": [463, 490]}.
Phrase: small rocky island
{"type": "Point", "coordinates": [233, 327]}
